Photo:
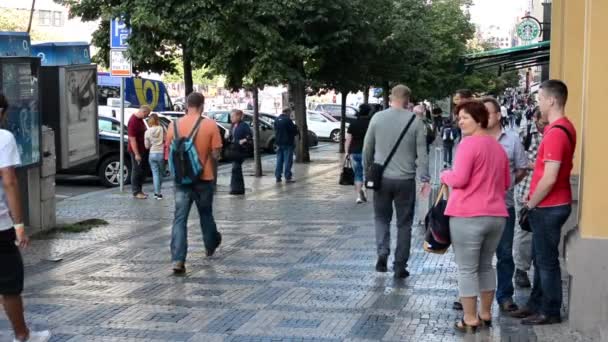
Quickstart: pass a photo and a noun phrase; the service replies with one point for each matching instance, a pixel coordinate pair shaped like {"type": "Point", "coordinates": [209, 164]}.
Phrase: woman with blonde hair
{"type": "Point", "coordinates": [154, 139]}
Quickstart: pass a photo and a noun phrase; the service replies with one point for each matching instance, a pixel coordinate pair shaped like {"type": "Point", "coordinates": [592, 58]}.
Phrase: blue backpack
{"type": "Point", "coordinates": [184, 162]}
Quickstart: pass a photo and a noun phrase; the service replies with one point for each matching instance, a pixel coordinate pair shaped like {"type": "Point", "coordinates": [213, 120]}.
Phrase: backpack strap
{"type": "Point", "coordinates": [567, 133]}
{"type": "Point", "coordinates": [195, 128]}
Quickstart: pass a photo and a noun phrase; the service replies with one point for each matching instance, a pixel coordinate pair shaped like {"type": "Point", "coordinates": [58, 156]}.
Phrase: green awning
{"type": "Point", "coordinates": [514, 58]}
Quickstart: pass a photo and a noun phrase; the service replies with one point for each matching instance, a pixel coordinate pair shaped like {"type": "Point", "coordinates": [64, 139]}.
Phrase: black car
{"type": "Point", "coordinates": [107, 166]}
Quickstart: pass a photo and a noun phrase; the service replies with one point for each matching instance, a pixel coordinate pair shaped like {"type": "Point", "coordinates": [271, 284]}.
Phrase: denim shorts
{"type": "Point", "coordinates": [357, 160]}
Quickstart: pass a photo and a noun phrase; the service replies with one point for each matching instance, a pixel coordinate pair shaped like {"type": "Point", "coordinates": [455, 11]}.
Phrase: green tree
{"type": "Point", "coordinates": [161, 31]}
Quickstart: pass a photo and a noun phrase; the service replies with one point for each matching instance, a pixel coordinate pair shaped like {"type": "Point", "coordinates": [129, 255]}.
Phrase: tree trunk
{"type": "Point", "coordinates": [343, 120]}
{"type": "Point", "coordinates": [188, 82]}
{"type": "Point", "coordinates": [257, 156]}
{"type": "Point", "coordinates": [299, 99]}
{"type": "Point", "coordinates": [385, 91]}
{"type": "Point", "coordinates": [366, 95]}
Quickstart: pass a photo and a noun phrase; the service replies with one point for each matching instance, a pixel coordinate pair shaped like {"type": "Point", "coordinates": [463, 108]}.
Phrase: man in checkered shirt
{"type": "Point", "coordinates": [531, 135]}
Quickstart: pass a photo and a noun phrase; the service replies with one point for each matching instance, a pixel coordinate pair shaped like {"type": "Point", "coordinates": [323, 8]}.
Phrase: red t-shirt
{"type": "Point", "coordinates": [558, 147]}
{"type": "Point", "coordinates": [137, 129]}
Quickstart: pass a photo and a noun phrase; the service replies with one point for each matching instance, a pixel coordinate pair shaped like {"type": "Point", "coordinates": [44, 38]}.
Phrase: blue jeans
{"type": "Point", "coordinates": [202, 195]}
{"type": "Point", "coordinates": [357, 160]}
{"type": "Point", "coordinates": [505, 266]}
{"type": "Point", "coordinates": [547, 223]}
{"type": "Point", "coordinates": [284, 162]}
{"type": "Point", "coordinates": [157, 165]}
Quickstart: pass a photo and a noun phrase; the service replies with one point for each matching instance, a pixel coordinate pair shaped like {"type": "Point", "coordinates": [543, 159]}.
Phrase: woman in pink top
{"type": "Point", "coordinates": [477, 212]}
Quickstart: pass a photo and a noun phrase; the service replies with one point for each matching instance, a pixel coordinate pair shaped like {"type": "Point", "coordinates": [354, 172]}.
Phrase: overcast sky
{"type": "Point", "coordinates": [497, 12]}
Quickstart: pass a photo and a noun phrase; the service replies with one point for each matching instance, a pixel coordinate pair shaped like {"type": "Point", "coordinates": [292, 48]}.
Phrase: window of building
{"type": "Point", "coordinates": [44, 18]}
{"type": "Point", "coordinates": [57, 19]}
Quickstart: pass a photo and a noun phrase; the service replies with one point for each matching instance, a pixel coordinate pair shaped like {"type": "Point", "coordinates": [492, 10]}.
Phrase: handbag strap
{"type": "Point", "coordinates": [390, 155]}
{"type": "Point", "coordinates": [444, 190]}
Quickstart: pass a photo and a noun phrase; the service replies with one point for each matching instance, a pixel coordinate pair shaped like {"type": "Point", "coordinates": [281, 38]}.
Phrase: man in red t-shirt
{"type": "Point", "coordinates": [137, 149]}
{"type": "Point", "coordinates": [549, 205]}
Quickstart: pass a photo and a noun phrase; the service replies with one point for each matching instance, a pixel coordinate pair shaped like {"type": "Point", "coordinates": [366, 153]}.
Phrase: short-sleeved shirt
{"type": "Point", "coordinates": [137, 129]}
{"type": "Point", "coordinates": [556, 146]}
{"type": "Point", "coordinates": [357, 130]}
{"type": "Point", "coordinates": [518, 160]}
{"type": "Point", "coordinates": [9, 157]}
{"type": "Point", "coordinates": [207, 139]}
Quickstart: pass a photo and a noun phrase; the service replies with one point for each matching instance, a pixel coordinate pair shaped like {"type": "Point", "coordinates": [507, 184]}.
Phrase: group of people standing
{"type": "Point", "coordinates": [497, 174]}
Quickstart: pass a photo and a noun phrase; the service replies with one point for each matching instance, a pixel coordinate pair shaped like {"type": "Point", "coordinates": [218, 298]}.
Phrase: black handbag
{"type": "Point", "coordinates": [347, 177]}
{"type": "Point", "coordinates": [234, 152]}
{"type": "Point", "coordinates": [524, 220]}
{"type": "Point", "coordinates": [375, 171]}
{"type": "Point", "coordinates": [437, 236]}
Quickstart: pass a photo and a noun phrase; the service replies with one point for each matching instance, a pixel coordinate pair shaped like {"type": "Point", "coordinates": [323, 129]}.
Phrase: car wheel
{"type": "Point", "coordinates": [335, 135]}
{"type": "Point", "coordinates": [272, 147]}
{"type": "Point", "coordinates": [108, 171]}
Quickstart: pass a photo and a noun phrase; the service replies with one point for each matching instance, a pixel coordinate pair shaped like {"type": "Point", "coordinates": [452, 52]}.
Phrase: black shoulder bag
{"type": "Point", "coordinates": [375, 171]}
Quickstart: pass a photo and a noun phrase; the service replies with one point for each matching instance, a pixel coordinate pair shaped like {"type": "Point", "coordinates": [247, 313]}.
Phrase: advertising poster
{"type": "Point", "coordinates": [20, 86]}
{"type": "Point", "coordinates": [81, 112]}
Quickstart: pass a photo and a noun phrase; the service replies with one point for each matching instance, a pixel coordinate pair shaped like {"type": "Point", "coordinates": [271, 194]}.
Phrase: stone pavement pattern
{"type": "Point", "coordinates": [296, 264]}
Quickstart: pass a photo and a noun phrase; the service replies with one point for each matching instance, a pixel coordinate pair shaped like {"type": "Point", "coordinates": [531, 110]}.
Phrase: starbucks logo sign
{"type": "Point", "coordinates": [528, 29]}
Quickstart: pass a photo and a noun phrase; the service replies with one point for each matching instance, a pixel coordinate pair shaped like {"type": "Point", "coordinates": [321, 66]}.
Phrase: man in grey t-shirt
{"type": "Point", "coordinates": [399, 178]}
{"type": "Point", "coordinates": [518, 165]}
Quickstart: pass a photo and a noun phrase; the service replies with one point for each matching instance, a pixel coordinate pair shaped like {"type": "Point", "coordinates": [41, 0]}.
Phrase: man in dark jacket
{"type": "Point", "coordinates": [285, 132]}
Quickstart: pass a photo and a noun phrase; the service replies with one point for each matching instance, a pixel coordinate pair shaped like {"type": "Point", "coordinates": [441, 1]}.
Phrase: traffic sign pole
{"type": "Point", "coordinates": [122, 135]}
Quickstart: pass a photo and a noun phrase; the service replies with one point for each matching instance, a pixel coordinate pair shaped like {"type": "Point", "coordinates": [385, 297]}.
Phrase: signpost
{"type": "Point", "coordinates": [120, 66]}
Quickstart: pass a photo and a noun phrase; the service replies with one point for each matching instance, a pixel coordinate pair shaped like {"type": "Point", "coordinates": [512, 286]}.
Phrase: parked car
{"type": "Point", "coordinates": [179, 104]}
{"type": "Point", "coordinates": [266, 128]}
{"type": "Point", "coordinates": [335, 110]}
{"type": "Point", "coordinates": [313, 139]}
{"type": "Point", "coordinates": [323, 127]}
{"type": "Point", "coordinates": [107, 166]}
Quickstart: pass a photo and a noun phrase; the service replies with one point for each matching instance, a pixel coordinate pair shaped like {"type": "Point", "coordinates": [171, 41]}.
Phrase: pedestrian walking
{"type": "Point", "coordinates": [480, 176]}
{"type": "Point", "coordinates": [240, 137]}
{"type": "Point", "coordinates": [285, 132]}
{"type": "Point", "coordinates": [399, 176]}
{"type": "Point", "coordinates": [549, 205]}
{"type": "Point", "coordinates": [208, 144]}
{"type": "Point", "coordinates": [531, 137]}
{"type": "Point", "coordinates": [12, 237]}
{"type": "Point", "coordinates": [136, 130]}
{"type": "Point", "coordinates": [154, 140]}
{"type": "Point", "coordinates": [438, 119]}
{"type": "Point", "coordinates": [354, 146]}
{"type": "Point", "coordinates": [449, 135]}
{"type": "Point", "coordinates": [518, 166]}
{"type": "Point", "coordinates": [420, 111]}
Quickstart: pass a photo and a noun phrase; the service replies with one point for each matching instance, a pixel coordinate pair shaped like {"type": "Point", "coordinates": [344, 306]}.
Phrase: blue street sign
{"type": "Point", "coordinates": [119, 33]}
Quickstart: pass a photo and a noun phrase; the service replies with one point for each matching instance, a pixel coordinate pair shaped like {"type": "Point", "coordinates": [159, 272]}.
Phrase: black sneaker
{"type": "Point", "coordinates": [400, 271]}
{"type": "Point", "coordinates": [211, 251]}
{"type": "Point", "coordinates": [279, 180]}
{"type": "Point", "coordinates": [521, 279]}
{"type": "Point", "coordinates": [158, 196]}
{"type": "Point", "coordinates": [381, 264]}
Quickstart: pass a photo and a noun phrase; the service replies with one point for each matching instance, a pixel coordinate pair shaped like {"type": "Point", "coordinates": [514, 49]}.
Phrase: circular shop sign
{"type": "Point", "coordinates": [528, 29]}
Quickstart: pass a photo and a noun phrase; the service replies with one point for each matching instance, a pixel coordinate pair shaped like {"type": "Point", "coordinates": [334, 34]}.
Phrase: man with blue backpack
{"type": "Point", "coordinates": [194, 147]}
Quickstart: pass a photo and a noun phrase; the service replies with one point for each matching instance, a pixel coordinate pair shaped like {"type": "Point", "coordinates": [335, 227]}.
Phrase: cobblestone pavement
{"type": "Point", "coordinates": [296, 264]}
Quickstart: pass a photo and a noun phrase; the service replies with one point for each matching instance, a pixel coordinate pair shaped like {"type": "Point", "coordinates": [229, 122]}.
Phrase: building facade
{"type": "Point", "coordinates": [50, 22]}
{"type": "Point", "coordinates": [578, 57]}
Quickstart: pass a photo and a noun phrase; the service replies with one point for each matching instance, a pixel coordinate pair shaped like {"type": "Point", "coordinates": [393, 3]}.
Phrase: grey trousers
{"type": "Point", "coordinates": [401, 194]}
{"type": "Point", "coordinates": [522, 244]}
{"type": "Point", "coordinates": [475, 240]}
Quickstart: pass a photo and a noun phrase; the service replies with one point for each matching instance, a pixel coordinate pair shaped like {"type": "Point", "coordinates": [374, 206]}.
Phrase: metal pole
{"type": "Point", "coordinates": [121, 173]}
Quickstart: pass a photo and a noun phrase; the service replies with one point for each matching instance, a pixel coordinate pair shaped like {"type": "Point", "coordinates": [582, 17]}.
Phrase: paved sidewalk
{"type": "Point", "coordinates": [296, 264]}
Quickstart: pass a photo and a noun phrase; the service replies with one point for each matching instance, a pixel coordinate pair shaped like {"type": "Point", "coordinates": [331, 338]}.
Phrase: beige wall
{"type": "Point", "coordinates": [578, 56]}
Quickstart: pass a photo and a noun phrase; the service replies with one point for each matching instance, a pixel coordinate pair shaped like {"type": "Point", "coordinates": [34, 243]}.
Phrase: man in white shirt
{"type": "Point", "coordinates": [12, 236]}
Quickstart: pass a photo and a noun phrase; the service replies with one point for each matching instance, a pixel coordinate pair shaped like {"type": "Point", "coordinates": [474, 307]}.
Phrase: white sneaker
{"type": "Point", "coordinates": [37, 336]}
{"type": "Point", "coordinates": [359, 201]}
